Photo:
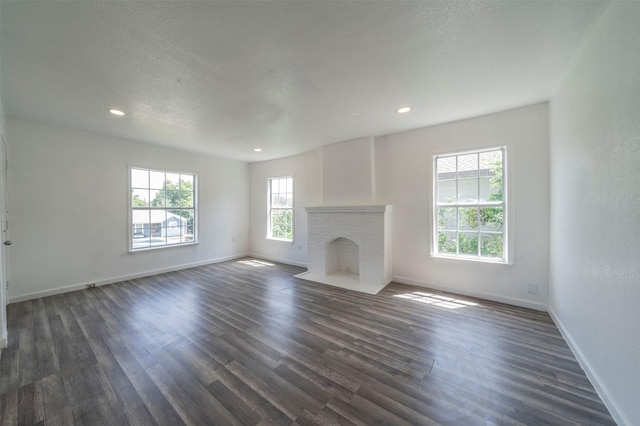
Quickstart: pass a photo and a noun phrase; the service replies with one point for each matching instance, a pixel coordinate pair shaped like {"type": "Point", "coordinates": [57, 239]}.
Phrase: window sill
{"type": "Point", "coordinates": [280, 239]}
{"type": "Point", "coordinates": [472, 259]}
{"type": "Point", "coordinates": [147, 249]}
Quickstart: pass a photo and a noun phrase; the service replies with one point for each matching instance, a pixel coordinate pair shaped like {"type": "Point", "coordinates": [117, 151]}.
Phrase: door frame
{"type": "Point", "coordinates": [4, 226]}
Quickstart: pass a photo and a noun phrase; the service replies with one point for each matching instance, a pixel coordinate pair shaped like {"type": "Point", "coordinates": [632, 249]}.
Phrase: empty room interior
{"type": "Point", "coordinates": [320, 212]}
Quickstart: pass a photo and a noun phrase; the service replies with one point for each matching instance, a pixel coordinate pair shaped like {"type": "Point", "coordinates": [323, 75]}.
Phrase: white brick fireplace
{"type": "Point", "coordinates": [350, 247]}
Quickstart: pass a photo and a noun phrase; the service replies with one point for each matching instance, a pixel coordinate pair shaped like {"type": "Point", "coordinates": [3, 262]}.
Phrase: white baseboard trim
{"type": "Point", "coordinates": [273, 259]}
{"type": "Point", "coordinates": [604, 394]}
{"type": "Point", "coordinates": [488, 296]}
{"type": "Point", "coordinates": [117, 279]}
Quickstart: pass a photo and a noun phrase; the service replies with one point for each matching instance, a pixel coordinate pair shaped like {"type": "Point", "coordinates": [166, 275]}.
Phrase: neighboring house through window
{"type": "Point", "coordinates": [163, 209]}
{"type": "Point", "coordinates": [470, 205]}
{"type": "Point", "coordinates": [280, 226]}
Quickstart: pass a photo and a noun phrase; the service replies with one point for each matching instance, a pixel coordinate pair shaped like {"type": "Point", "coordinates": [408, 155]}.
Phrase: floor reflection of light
{"type": "Point", "coordinates": [436, 300]}
{"type": "Point", "coordinates": [255, 263]}
{"type": "Point", "coordinates": [180, 310]}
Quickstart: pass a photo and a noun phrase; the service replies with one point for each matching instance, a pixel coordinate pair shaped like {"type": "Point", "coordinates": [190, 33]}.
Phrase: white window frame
{"type": "Point", "coordinates": [189, 239]}
{"type": "Point", "coordinates": [504, 204]}
{"type": "Point", "coordinates": [270, 208]}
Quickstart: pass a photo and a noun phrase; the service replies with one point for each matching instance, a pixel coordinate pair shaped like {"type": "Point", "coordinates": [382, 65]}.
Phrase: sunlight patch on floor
{"type": "Point", "coordinates": [436, 300]}
{"type": "Point", "coordinates": [255, 263]}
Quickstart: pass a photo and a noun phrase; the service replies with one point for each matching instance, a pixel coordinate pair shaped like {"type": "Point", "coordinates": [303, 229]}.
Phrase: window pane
{"type": "Point", "coordinates": [289, 185]}
{"type": "Point", "coordinates": [275, 224]}
{"type": "Point", "coordinates": [156, 180]}
{"type": "Point", "coordinates": [491, 159]}
{"type": "Point", "coordinates": [467, 166]}
{"type": "Point", "coordinates": [186, 199]}
{"type": "Point", "coordinates": [446, 168]}
{"type": "Point", "coordinates": [485, 189]}
{"type": "Point", "coordinates": [157, 198]}
{"type": "Point", "coordinates": [447, 218]}
{"type": "Point", "coordinates": [140, 220]}
{"type": "Point", "coordinates": [173, 198]}
{"type": "Point", "coordinates": [139, 241]}
{"type": "Point", "coordinates": [491, 219]}
{"type": "Point", "coordinates": [467, 191]}
{"type": "Point", "coordinates": [467, 218]}
{"type": "Point", "coordinates": [447, 192]}
{"type": "Point", "coordinates": [468, 243]}
{"type": "Point", "coordinates": [141, 217]}
{"type": "Point", "coordinates": [491, 188]}
{"type": "Point", "coordinates": [139, 178]}
{"type": "Point", "coordinates": [186, 182]}
{"type": "Point", "coordinates": [158, 240]}
{"type": "Point", "coordinates": [158, 217]}
{"type": "Point", "coordinates": [189, 230]}
{"type": "Point", "coordinates": [173, 180]}
{"type": "Point", "coordinates": [491, 171]}
{"type": "Point", "coordinates": [492, 245]}
{"type": "Point", "coordinates": [140, 198]}
{"type": "Point", "coordinates": [447, 242]}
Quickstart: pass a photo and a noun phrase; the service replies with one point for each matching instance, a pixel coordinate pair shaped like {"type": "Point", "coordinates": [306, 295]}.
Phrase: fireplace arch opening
{"type": "Point", "coordinates": [342, 257]}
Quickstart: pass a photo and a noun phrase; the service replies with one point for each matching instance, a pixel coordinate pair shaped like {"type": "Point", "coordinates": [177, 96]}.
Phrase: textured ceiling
{"type": "Point", "coordinates": [287, 76]}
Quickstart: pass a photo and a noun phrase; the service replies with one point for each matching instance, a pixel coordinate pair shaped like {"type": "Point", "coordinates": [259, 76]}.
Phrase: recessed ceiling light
{"type": "Point", "coordinates": [404, 110]}
{"type": "Point", "coordinates": [257, 149]}
{"type": "Point", "coordinates": [116, 112]}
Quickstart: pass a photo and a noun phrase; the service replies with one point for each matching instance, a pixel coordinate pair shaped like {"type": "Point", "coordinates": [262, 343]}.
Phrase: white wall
{"type": "Point", "coordinates": [401, 175]}
{"type": "Point", "coordinates": [69, 216]}
{"type": "Point", "coordinates": [408, 158]}
{"type": "Point", "coordinates": [595, 209]}
{"type": "Point", "coordinates": [348, 173]}
{"type": "Point", "coordinates": [306, 170]}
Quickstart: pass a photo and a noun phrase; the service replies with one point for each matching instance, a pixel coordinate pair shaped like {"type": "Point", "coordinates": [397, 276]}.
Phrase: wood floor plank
{"type": "Point", "coordinates": [266, 411]}
{"type": "Point", "coordinates": [158, 406]}
{"type": "Point", "coordinates": [243, 412]}
{"type": "Point", "coordinates": [27, 357]}
{"type": "Point", "coordinates": [9, 402]}
{"type": "Point", "coordinates": [245, 342]}
{"type": "Point", "coordinates": [194, 404]}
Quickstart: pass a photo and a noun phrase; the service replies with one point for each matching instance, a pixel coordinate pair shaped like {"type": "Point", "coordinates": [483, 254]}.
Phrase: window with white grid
{"type": "Point", "coordinates": [163, 209]}
{"type": "Point", "coordinates": [280, 226]}
{"type": "Point", "coordinates": [470, 205]}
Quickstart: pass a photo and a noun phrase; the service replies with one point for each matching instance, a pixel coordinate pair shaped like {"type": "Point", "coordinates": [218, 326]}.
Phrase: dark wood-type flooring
{"type": "Point", "coordinates": [244, 342]}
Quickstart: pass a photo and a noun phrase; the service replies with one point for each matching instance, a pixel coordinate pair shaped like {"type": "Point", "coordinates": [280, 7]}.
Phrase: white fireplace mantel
{"type": "Point", "coordinates": [348, 209]}
{"type": "Point", "coordinates": [350, 246]}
